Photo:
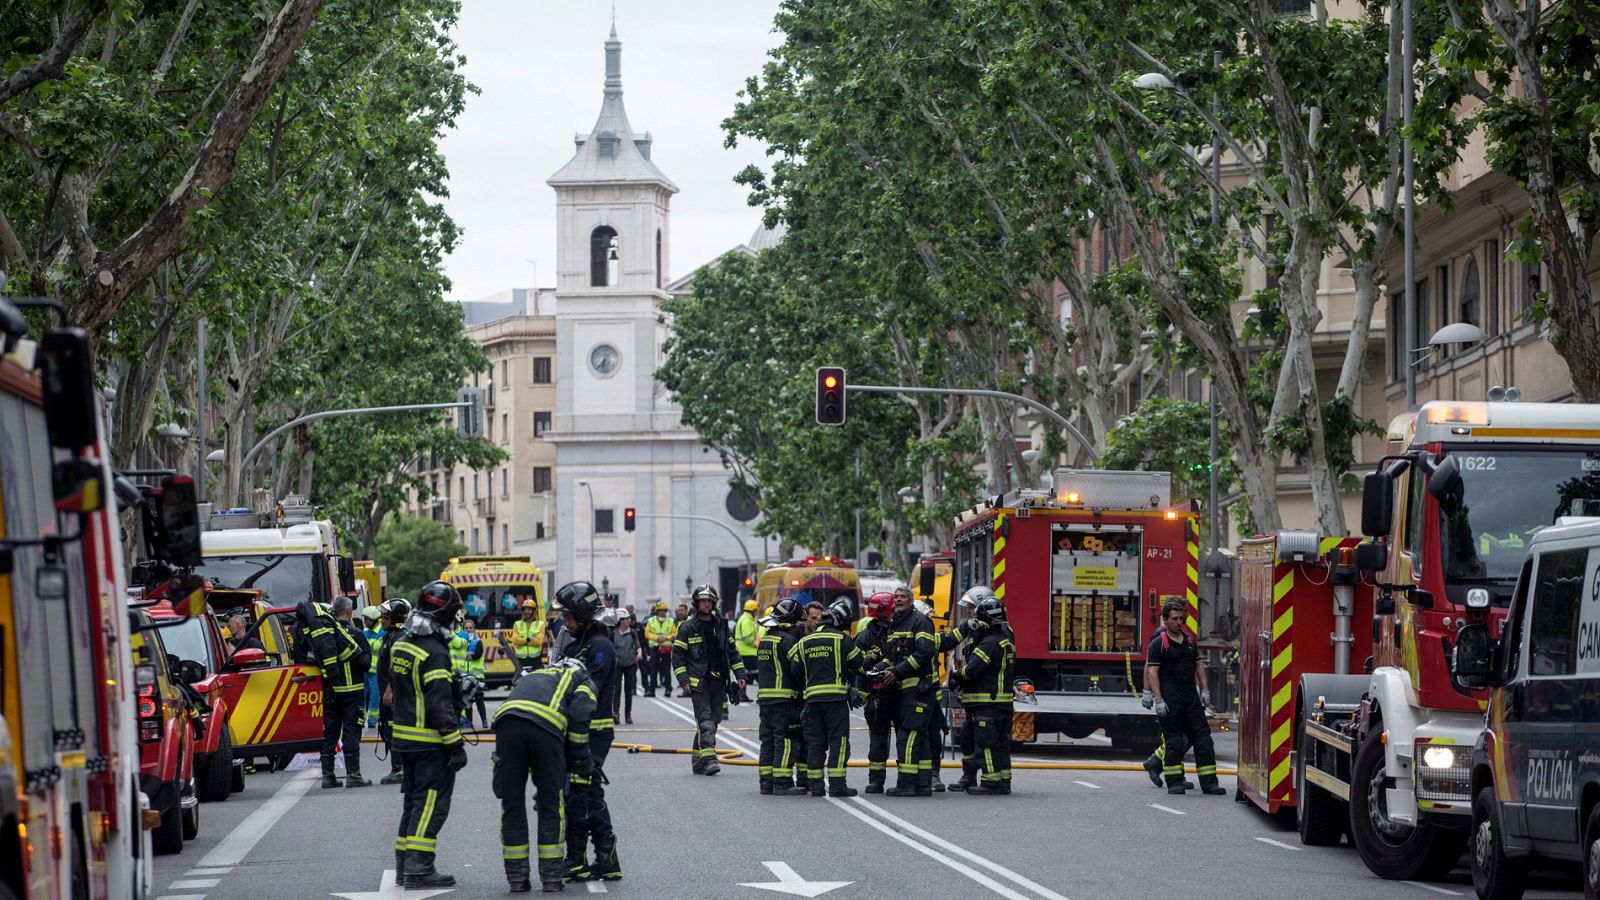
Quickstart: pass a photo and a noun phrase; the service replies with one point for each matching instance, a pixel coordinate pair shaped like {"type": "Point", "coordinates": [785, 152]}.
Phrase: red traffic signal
{"type": "Point", "coordinates": [830, 395]}
{"type": "Point", "coordinates": [629, 518]}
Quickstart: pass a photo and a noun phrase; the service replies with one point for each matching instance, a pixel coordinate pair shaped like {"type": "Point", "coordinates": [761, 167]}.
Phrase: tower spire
{"type": "Point", "coordinates": [613, 59]}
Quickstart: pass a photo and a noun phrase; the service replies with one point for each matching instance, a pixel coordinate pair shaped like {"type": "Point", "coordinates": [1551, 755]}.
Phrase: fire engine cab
{"type": "Point", "coordinates": [1083, 570]}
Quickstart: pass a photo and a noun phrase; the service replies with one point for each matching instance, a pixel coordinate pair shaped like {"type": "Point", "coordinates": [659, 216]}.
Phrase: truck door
{"type": "Point", "coordinates": [1542, 731]}
{"type": "Point", "coordinates": [276, 704]}
{"type": "Point", "coordinates": [1255, 658]}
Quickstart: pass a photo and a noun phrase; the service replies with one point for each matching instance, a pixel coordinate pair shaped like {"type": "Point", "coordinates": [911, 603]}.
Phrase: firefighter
{"type": "Point", "coordinates": [527, 637]}
{"type": "Point", "coordinates": [881, 703]}
{"type": "Point", "coordinates": [912, 673]}
{"type": "Point", "coordinates": [1170, 671]}
{"type": "Point", "coordinates": [829, 662]}
{"type": "Point", "coordinates": [943, 642]}
{"type": "Point", "coordinates": [377, 625]}
{"type": "Point", "coordinates": [427, 733]}
{"type": "Point", "coordinates": [591, 818]}
{"type": "Point", "coordinates": [704, 658]}
{"type": "Point", "coordinates": [541, 732]}
{"type": "Point", "coordinates": [395, 612]}
{"type": "Point", "coordinates": [745, 637]}
{"type": "Point", "coordinates": [659, 630]}
{"type": "Point", "coordinates": [989, 653]}
{"type": "Point", "coordinates": [778, 685]}
{"type": "Point", "coordinates": [334, 645]}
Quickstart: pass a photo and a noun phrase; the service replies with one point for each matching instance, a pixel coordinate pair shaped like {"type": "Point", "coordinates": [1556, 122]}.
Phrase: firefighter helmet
{"type": "Point", "coordinates": [991, 611]}
{"type": "Point", "coordinates": [880, 606]}
{"type": "Point", "coordinates": [751, 606]}
{"type": "Point", "coordinates": [840, 612]}
{"type": "Point", "coordinates": [660, 608]}
{"type": "Point", "coordinates": [530, 603]}
{"type": "Point", "coordinates": [704, 592]}
{"type": "Point", "coordinates": [580, 600]}
{"type": "Point", "coordinates": [398, 609]}
{"type": "Point", "coordinates": [787, 611]}
{"type": "Point", "coordinates": [974, 596]}
{"type": "Point", "coordinates": [371, 613]}
{"type": "Point", "coordinates": [606, 617]}
{"type": "Point", "coordinates": [438, 602]}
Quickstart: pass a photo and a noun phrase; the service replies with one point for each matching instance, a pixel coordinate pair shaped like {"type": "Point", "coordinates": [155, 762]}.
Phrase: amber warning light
{"type": "Point", "coordinates": [830, 395]}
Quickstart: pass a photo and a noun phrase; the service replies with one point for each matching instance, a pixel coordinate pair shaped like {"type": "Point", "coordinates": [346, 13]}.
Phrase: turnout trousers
{"type": "Point", "coordinates": [590, 817]}
{"type": "Point", "coordinates": [879, 710]}
{"type": "Point", "coordinates": [827, 731]}
{"type": "Point", "coordinates": [913, 722]}
{"type": "Point", "coordinates": [1185, 723]}
{"type": "Point", "coordinates": [783, 745]}
{"type": "Point", "coordinates": [709, 699]}
{"type": "Point", "coordinates": [986, 744]}
{"type": "Point", "coordinates": [341, 722]}
{"type": "Point", "coordinates": [425, 791]}
{"type": "Point", "coordinates": [526, 750]}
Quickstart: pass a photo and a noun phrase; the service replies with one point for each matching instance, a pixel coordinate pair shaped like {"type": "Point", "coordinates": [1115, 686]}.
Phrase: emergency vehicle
{"type": "Point", "coordinates": [493, 589]}
{"type": "Point", "coordinates": [825, 578]}
{"type": "Point", "coordinates": [1450, 512]}
{"type": "Point", "coordinates": [1535, 769]}
{"type": "Point", "coordinates": [168, 731]}
{"type": "Point", "coordinates": [71, 810]}
{"type": "Point", "coordinates": [1083, 571]}
{"type": "Point", "coordinates": [935, 584]}
{"type": "Point", "coordinates": [375, 579]}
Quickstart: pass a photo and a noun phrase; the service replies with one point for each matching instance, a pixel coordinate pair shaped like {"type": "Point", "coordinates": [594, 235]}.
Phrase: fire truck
{"type": "Point", "coordinates": [72, 815]}
{"type": "Point", "coordinates": [1084, 570]}
{"type": "Point", "coordinates": [1385, 754]}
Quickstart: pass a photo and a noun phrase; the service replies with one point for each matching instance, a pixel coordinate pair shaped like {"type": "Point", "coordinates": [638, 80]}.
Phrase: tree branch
{"type": "Point", "coordinates": [52, 64]}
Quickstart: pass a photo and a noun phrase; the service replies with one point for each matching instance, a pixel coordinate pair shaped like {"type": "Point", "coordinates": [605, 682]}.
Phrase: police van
{"type": "Point", "coordinates": [1535, 778]}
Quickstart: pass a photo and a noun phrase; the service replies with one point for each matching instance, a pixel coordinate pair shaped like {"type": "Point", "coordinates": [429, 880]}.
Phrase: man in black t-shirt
{"type": "Point", "coordinates": [1170, 671]}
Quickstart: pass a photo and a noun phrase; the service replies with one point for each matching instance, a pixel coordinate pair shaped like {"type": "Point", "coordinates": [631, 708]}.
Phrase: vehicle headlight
{"type": "Point", "coordinates": [1439, 757]}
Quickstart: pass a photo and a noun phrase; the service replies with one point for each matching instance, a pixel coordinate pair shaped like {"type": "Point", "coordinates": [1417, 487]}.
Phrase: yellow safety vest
{"type": "Point", "coordinates": [528, 637]}
{"type": "Point", "coordinates": [744, 635]}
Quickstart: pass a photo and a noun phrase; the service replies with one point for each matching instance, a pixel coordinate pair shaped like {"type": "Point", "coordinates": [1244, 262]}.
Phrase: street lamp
{"type": "Point", "coordinates": [586, 486]}
{"type": "Point", "coordinates": [605, 589]}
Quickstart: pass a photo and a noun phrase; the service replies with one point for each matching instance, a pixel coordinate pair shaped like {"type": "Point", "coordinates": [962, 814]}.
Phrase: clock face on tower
{"type": "Point", "coordinates": [604, 359]}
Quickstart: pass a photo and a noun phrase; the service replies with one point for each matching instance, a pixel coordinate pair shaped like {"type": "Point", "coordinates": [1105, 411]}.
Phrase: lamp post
{"type": "Point", "coordinates": [1408, 172]}
{"type": "Point", "coordinates": [586, 486]}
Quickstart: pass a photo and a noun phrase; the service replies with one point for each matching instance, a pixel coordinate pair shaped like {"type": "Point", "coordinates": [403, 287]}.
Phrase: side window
{"type": "Point", "coordinates": [1416, 502]}
{"type": "Point", "coordinates": [1553, 624]}
{"type": "Point", "coordinates": [1512, 639]}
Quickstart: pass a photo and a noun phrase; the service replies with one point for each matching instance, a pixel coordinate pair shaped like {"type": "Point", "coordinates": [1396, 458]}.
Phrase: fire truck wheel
{"type": "Point", "coordinates": [1494, 876]}
{"type": "Point", "coordinates": [214, 781]}
{"type": "Point", "coordinates": [236, 778]}
{"type": "Point", "coordinates": [1320, 817]}
{"type": "Point", "coordinates": [1423, 852]}
{"type": "Point", "coordinates": [168, 836]}
{"type": "Point", "coordinates": [191, 822]}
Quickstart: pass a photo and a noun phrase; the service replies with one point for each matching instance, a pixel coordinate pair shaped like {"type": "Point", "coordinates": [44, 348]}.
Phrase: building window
{"type": "Point", "coordinates": [490, 536]}
{"type": "Point", "coordinates": [505, 483]}
{"type": "Point", "coordinates": [1441, 278]}
{"type": "Point", "coordinates": [541, 423]}
{"type": "Point", "coordinates": [605, 521]}
{"type": "Point", "coordinates": [541, 479]}
{"type": "Point", "coordinates": [1470, 302]}
{"type": "Point", "coordinates": [1492, 264]}
{"type": "Point", "coordinates": [538, 531]}
{"type": "Point", "coordinates": [461, 538]}
{"type": "Point", "coordinates": [604, 257]}
{"type": "Point", "coordinates": [505, 538]}
{"type": "Point", "coordinates": [1422, 325]}
{"type": "Point", "coordinates": [541, 370]}
{"type": "Point", "coordinates": [461, 487]}
{"type": "Point", "coordinates": [659, 276]}
{"type": "Point", "coordinates": [488, 422]}
{"type": "Point", "coordinates": [505, 428]}
{"type": "Point", "coordinates": [474, 540]}
{"type": "Point", "coordinates": [475, 494]}
{"type": "Point", "coordinates": [505, 370]}
{"type": "Point", "coordinates": [490, 492]}
{"type": "Point", "coordinates": [1530, 285]}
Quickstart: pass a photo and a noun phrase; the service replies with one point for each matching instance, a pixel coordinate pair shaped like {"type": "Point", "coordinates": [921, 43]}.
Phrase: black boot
{"type": "Point", "coordinates": [576, 865]}
{"type": "Point", "coordinates": [838, 788]}
{"type": "Point", "coordinates": [607, 864]}
{"type": "Point", "coordinates": [329, 780]}
{"type": "Point", "coordinates": [712, 767]}
{"type": "Point", "coordinates": [552, 875]}
{"type": "Point", "coordinates": [1175, 787]}
{"type": "Point", "coordinates": [518, 878]}
{"type": "Point", "coordinates": [400, 868]}
{"type": "Point", "coordinates": [902, 790]}
{"type": "Point", "coordinates": [420, 872]}
{"type": "Point", "coordinates": [988, 789]}
{"type": "Point", "coordinates": [767, 785]}
{"type": "Point", "coordinates": [354, 779]}
{"type": "Point", "coordinates": [1152, 767]}
{"type": "Point", "coordinates": [1210, 786]}
{"type": "Point", "coordinates": [395, 776]}
{"type": "Point", "coordinates": [874, 785]}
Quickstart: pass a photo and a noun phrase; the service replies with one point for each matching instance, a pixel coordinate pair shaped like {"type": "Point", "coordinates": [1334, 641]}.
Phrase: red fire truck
{"type": "Point", "coordinates": [1083, 570]}
{"type": "Point", "coordinates": [1386, 755]}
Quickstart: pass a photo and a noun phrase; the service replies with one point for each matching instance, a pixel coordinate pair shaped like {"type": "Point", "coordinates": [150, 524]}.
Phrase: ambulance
{"type": "Point", "coordinates": [493, 589]}
{"type": "Point", "coordinates": [823, 578]}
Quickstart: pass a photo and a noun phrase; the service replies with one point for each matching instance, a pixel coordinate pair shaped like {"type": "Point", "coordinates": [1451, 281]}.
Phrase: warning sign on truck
{"type": "Point", "coordinates": [1094, 577]}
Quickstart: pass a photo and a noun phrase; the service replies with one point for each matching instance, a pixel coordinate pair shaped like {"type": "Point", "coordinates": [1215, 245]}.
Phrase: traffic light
{"type": "Point", "coordinates": [469, 419]}
{"type": "Point", "coordinates": [629, 519]}
{"type": "Point", "coordinates": [830, 395]}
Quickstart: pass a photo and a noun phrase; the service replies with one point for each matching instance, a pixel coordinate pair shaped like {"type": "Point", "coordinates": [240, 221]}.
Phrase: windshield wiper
{"type": "Point", "coordinates": [251, 581]}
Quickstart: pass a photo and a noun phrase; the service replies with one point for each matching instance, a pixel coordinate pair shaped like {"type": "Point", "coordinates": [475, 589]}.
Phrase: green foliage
{"type": "Point", "coordinates": [1166, 435]}
{"type": "Point", "coordinates": [416, 550]}
{"type": "Point", "coordinates": [1342, 424]}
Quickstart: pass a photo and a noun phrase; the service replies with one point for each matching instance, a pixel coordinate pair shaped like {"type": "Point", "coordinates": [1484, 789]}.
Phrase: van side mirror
{"type": "Point", "coordinates": [71, 415]}
{"type": "Point", "coordinates": [247, 658]}
{"type": "Point", "coordinates": [1445, 484]}
{"type": "Point", "coordinates": [1377, 504]}
{"type": "Point", "coordinates": [1372, 556]}
{"type": "Point", "coordinates": [925, 581]}
{"type": "Point", "coordinates": [1420, 598]}
{"type": "Point", "coordinates": [180, 519]}
{"type": "Point", "coordinates": [347, 574]}
{"type": "Point", "coordinates": [1470, 660]}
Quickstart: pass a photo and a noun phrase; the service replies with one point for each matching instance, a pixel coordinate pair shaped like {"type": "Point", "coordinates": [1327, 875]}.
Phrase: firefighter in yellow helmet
{"type": "Point", "coordinates": [746, 635]}
{"type": "Point", "coordinates": [527, 637]}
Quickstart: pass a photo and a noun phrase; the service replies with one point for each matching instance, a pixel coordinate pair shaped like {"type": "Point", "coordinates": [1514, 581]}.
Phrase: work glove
{"type": "Point", "coordinates": [456, 758]}
{"type": "Point", "coordinates": [1205, 698]}
{"type": "Point", "coordinates": [1161, 707]}
{"type": "Point", "coordinates": [1147, 699]}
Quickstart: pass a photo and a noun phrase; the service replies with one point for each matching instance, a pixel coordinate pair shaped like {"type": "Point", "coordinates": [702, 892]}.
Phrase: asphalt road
{"type": "Point", "coordinates": [1081, 833]}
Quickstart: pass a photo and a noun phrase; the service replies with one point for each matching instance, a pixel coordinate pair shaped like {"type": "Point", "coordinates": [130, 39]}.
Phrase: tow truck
{"type": "Point", "coordinates": [1083, 570]}
{"type": "Point", "coordinates": [1385, 755]}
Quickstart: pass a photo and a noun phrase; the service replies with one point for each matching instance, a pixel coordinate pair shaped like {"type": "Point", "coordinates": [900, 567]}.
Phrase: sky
{"type": "Point", "coordinates": [540, 66]}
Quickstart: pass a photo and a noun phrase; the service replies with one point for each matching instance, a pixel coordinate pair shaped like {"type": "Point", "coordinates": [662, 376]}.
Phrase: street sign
{"type": "Point", "coordinates": [790, 882]}
{"type": "Point", "coordinates": [469, 421]}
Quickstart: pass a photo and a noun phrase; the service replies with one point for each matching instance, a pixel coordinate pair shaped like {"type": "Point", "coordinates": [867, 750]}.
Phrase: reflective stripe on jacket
{"type": "Point", "coordinates": [828, 659]}
{"type": "Point", "coordinates": [427, 708]}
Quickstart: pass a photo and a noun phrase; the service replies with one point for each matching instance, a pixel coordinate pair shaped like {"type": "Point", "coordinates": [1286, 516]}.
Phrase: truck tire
{"type": "Point", "coordinates": [1591, 855]}
{"type": "Point", "coordinates": [1423, 852]}
{"type": "Point", "coordinates": [1494, 876]}
{"type": "Point", "coordinates": [191, 822]}
{"type": "Point", "coordinates": [167, 837]}
{"type": "Point", "coordinates": [214, 781]}
{"type": "Point", "coordinates": [1320, 817]}
{"type": "Point", "coordinates": [236, 777]}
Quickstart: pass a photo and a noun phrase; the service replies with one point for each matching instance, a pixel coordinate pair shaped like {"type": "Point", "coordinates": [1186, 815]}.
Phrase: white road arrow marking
{"type": "Point", "coordinates": [389, 890]}
{"type": "Point", "coordinates": [790, 882]}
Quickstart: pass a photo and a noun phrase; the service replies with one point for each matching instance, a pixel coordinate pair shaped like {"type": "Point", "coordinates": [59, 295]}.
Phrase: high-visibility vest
{"type": "Point", "coordinates": [527, 637]}
{"type": "Point", "coordinates": [744, 635]}
{"type": "Point", "coordinates": [660, 631]}
{"type": "Point", "coordinates": [458, 653]}
{"type": "Point", "coordinates": [475, 666]}
{"type": "Point", "coordinates": [374, 643]}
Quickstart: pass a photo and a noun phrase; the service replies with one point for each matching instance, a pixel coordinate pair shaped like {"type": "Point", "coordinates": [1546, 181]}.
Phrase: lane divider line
{"type": "Point", "coordinates": [204, 872]}
{"type": "Point", "coordinates": [1267, 840]}
{"type": "Point", "coordinates": [1088, 784]}
{"type": "Point", "coordinates": [962, 852]}
{"type": "Point", "coordinates": [929, 852]}
{"type": "Point", "coordinates": [1432, 887]}
{"type": "Point", "coordinates": [597, 887]}
{"type": "Point", "coordinates": [244, 837]}
{"type": "Point", "coordinates": [1169, 809]}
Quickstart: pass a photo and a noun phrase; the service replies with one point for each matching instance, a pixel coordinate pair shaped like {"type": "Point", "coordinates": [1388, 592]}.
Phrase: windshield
{"type": "Point", "coordinates": [1507, 497]}
{"type": "Point", "coordinates": [286, 579]}
{"type": "Point", "coordinates": [497, 606]}
{"type": "Point", "coordinates": [188, 641]}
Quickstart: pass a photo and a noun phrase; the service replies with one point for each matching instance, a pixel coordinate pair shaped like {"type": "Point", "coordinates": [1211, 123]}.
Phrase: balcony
{"type": "Point", "coordinates": [485, 507]}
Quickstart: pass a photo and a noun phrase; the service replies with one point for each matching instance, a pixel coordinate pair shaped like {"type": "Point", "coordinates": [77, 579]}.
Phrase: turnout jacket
{"type": "Point", "coordinates": [991, 660]}
{"type": "Point", "coordinates": [873, 642]}
{"type": "Point", "coordinates": [599, 657]}
{"type": "Point", "coordinates": [427, 704]}
{"type": "Point", "coordinates": [336, 647]}
{"type": "Point", "coordinates": [780, 677]}
{"type": "Point", "coordinates": [911, 649]}
{"type": "Point", "coordinates": [695, 651]}
{"type": "Point", "coordinates": [829, 660]}
{"type": "Point", "coordinates": [561, 700]}
{"type": "Point", "coordinates": [385, 657]}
